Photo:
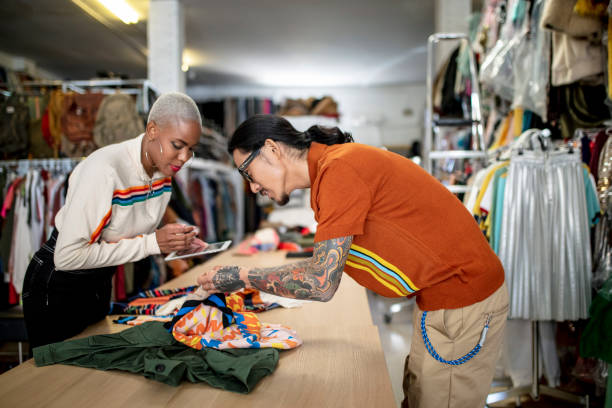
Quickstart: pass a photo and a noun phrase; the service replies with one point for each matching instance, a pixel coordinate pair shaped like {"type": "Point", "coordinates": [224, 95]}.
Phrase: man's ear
{"type": "Point", "coordinates": [273, 147]}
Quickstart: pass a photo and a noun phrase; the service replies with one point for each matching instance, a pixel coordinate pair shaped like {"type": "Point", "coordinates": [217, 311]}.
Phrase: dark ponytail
{"type": "Point", "coordinates": [328, 136]}
{"type": "Point", "coordinates": [253, 132]}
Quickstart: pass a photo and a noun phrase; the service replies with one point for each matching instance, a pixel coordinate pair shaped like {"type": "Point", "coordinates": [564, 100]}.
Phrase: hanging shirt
{"type": "Point", "coordinates": [497, 211]}
{"type": "Point", "coordinates": [592, 201]}
{"type": "Point", "coordinates": [21, 249]}
{"type": "Point", "coordinates": [597, 336]}
{"type": "Point", "coordinates": [469, 199]}
{"type": "Point", "coordinates": [483, 202]}
{"type": "Point", "coordinates": [411, 236]}
{"type": "Point", "coordinates": [112, 210]}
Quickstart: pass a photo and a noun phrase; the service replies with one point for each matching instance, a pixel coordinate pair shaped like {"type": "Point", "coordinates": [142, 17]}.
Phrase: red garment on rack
{"type": "Point", "coordinates": [120, 283]}
{"type": "Point", "coordinates": [10, 196]}
{"type": "Point", "coordinates": [13, 296]}
{"type": "Point", "coordinates": [46, 130]}
{"type": "Point", "coordinates": [596, 148]}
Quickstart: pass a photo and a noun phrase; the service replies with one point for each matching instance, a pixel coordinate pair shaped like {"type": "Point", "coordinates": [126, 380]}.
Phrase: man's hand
{"type": "Point", "coordinates": [176, 237]}
{"type": "Point", "coordinates": [224, 279]}
{"type": "Point", "coordinates": [197, 244]}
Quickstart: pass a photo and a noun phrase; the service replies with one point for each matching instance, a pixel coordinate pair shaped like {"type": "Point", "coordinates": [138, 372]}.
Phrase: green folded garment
{"type": "Point", "coordinates": [150, 350]}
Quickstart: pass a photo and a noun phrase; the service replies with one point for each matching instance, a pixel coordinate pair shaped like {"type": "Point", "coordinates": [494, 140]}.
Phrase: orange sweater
{"type": "Point", "coordinates": [411, 236]}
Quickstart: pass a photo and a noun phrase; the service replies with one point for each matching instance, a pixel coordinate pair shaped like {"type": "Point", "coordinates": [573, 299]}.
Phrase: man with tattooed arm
{"type": "Point", "coordinates": [394, 229]}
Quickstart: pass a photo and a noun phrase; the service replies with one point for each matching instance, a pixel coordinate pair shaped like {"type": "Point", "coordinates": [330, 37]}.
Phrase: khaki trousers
{"type": "Point", "coordinates": [429, 383]}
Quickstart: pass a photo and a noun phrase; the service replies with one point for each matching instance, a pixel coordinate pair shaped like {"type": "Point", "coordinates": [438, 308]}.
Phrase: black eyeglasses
{"type": "Point", "coordinates": [242, 168]}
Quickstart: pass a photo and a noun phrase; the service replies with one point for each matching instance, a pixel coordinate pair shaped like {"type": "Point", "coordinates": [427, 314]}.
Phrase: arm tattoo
{"type": "Point", "coordinates": [313, 279]}
{"type": "Point", "coordinates": [227, 279]}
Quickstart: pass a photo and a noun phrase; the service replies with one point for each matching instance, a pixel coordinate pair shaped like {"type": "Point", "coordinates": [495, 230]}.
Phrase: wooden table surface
{"type": "Point", "coordinates": [340, 364]}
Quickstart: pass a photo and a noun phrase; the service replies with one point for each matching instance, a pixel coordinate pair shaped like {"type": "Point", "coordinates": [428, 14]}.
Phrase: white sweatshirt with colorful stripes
{"type": "Point", "coordinates": [112, 210]}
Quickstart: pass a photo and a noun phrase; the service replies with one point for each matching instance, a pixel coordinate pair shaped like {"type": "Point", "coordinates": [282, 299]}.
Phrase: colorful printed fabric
{"type": "Point", "coordinates": [204, 323]}
{"type": "Point", "coordinates": [138, 320]}
{"type": "Point", "coordinates": [149, 301]}
{"type": "Point", "coordinates": [164, 292]}
{"type": "Point", "coordinates": [200, 328]}
{"type": "Point", "coordinates": [248, 300]}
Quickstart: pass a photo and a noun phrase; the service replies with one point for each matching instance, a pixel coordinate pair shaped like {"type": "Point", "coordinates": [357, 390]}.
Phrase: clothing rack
{"type": "Point", "coordinates": [214, 139]}
{"type": "Point", "coordinates": [22, 166]}
{"type": "Point", "coordinates": [129, 86]}
{"type": "Point", "coordinates": [211, 129]}
{"type": "Point", "coordinates": [535, 389]}
{"type": "Point", "coordinates": [235, 179]}
{"type": "Point", "coordinates": [434, 124]}
{"type": "Point", "coordinates": [533, 139]}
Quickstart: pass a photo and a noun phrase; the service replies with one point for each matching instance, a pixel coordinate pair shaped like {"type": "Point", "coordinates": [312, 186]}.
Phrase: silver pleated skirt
{"type": "Point", "coordinates": [545, 237]}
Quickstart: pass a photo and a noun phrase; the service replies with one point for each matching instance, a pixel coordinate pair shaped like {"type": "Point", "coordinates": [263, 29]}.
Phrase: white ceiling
{"type": "Point", "coordinates": [235, 42]}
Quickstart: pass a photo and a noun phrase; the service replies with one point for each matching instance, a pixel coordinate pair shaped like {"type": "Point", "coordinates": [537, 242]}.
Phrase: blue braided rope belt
{"type": "Point", "coordinates": [458, 361]}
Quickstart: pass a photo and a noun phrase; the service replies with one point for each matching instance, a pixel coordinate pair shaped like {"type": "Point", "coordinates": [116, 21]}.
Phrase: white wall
{"type": "Point", "coordinates": [390, 115]}
{"type": "Point", "coordinates": [17, 63]}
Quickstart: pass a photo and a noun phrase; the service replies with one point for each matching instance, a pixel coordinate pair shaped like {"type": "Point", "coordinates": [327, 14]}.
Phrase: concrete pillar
{"type": "Point", "coordinates": [166, 40]}
{"type": "Point", "coordinates": [451, 16]}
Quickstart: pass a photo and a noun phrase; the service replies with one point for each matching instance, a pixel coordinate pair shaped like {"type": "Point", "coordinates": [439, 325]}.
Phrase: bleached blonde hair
{"type": "Point", "coordinates": [174, 106]}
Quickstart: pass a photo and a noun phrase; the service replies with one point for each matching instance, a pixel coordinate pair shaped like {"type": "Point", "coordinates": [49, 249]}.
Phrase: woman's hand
{"type": "Point", "coordinates": [177, 237]}
{"type": "Point", "coordinates": [224, 279]}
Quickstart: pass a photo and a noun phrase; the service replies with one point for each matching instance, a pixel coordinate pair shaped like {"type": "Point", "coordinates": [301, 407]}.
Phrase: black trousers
{"type": "Point", "coordinates": [60, 304]}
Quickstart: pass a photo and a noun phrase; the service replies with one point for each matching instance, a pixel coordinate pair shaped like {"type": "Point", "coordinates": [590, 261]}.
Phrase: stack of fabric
{"type": "Point", "coordinates": [211, 339]}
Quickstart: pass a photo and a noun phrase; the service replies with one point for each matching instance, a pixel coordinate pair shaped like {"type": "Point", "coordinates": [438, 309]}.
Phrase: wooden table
{"type": "Point", "coordinates": [13, 328]}
{"type": "Point", "coordinates": [340, 364]}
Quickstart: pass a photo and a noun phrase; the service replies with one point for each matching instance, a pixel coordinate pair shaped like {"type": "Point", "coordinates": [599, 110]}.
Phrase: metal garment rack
{"type": "Point", "coordinates": [532, 138]}
{"type": "Point", "coordinates": [535, 389]}
{"type": "Point", "coordinates": [433, 123]}
{"type": "Point", "coordinates": [432, 128]}
{"type": "Point", "coordinates": [23, 165]}
{"type": "Point", "coordinates": [135, 86]}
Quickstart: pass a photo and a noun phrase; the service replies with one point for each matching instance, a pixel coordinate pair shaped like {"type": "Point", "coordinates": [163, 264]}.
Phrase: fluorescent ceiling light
{"type": "Point", "coordinates": [122, 10]}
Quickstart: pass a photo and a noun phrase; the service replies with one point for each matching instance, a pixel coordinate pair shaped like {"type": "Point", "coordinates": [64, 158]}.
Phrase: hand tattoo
{"type": "Point", "coordinates": [227, 279]}
{"type": "Point", "coordinates": [314, 279]}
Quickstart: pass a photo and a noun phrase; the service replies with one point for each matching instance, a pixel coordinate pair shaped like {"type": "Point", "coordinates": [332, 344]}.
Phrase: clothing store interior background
{"type": "Point", "coordinates": [520, 86]}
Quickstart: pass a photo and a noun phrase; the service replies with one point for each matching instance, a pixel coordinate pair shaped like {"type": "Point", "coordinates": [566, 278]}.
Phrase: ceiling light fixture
{"type": "Point", "coordinates": [111, 24]}
{"type": "Point", "coordinates": [122, 10]}
{"type": "Point", "coordinates": [186, 62]}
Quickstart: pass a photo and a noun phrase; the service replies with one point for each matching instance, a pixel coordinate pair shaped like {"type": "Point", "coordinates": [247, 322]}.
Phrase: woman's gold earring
{"type": "Point", "coordinates": [191, 158]}
{"type": "Point", "coordinates": [149, 159]}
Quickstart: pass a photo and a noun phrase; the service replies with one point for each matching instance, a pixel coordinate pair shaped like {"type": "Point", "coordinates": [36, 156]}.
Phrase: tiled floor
{"type": "Point", "coordinates": [396, 338]}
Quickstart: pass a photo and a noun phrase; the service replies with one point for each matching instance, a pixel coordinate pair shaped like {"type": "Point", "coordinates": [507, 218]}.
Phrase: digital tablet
{"type": "Point", "coordinates": [210, 249]}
